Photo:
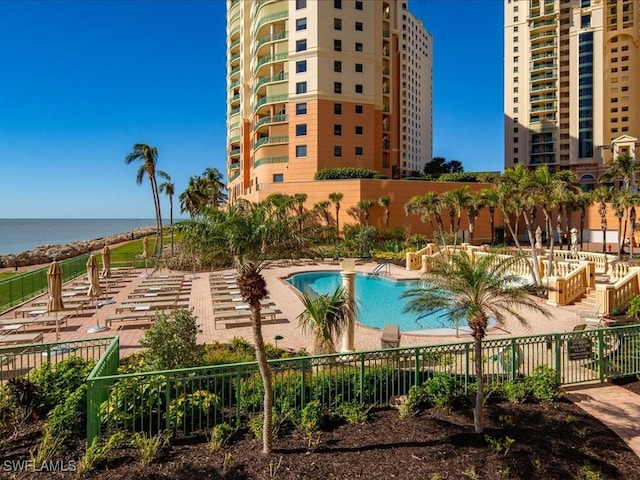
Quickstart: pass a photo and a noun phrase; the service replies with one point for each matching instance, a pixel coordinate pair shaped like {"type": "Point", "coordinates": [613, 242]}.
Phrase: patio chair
{"type": "Point", "coordinates": [390, 336]}
{"type": "Point", "coordinates": [594, 316]}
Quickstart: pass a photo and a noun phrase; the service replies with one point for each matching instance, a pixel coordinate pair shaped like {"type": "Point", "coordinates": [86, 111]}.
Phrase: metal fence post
{"type": "Point", "coordinates": [558, 352]}
{"type": "Point", "coordinates": [466, 368]}
{"type": "Point", "coordinates": [361, 378]}
{"type": "Point", "coordinates": [303, 384]}
{"type": "Point", "coordinates": [416, 376]}
{"type": "Point", "coordinates": [601, 362]}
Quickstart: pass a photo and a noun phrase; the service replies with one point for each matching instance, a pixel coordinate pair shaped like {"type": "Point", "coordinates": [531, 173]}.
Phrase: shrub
{"type": "Point", "coordinates": [70, 416]}
{"type": "Point", "coordinates": [11, 414]}
{"type": "Point", "coordinates": [514, 392]}
{"type": "Point", "coordinates": [57, 382]}
{"type": "Point", "coordinates": [24, 394]}
{"type": "Point", "coordinates": [98, 452]}
{"type": "Point", "coordinates": [441, 390]}
{"type": "Point", "coordinates": [50, 446]}
{"type": "Point", "coordinates": [353, 413]}
{"type": "Point", "coordinates": [634, 308]}
{"type": "Point", "coordinates": [543, 384]}
{"type": "Point", "coordinates": [220, 434]}
{"type": "Point", "coordinates": [148, 447]}
{"type": "Point", "coordinates": [171, 341]}
{"type": "Point", "coordinates": [198, 404]}
{"type": "Point", "coordinates": [345, 172]}
{"type": "Point", "coordinates": [310, 420]}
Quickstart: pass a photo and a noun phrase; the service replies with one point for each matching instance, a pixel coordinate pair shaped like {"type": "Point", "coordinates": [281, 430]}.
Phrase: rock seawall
{"type": "Point", "coordinates": [48, 253]}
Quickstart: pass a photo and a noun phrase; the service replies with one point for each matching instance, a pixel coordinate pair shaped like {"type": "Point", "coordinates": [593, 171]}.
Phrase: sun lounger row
{"type": "Point", "coordinates": [148, 315]}
{"type": "Point", "coordinates": [20, 338]}
{"type": "Point", "coordinates": [266, 313]}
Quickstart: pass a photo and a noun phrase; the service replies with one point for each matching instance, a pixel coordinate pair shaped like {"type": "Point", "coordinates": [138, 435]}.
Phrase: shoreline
{"type": "Point", "coordinates": [44, 254]}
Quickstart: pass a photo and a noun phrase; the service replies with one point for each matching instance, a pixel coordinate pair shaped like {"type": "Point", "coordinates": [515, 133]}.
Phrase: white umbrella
{"type": "Point", "coordinates": [106, 262]}
{"type": "Point", "coordinates": [94, 290]}
{"type": "Point", "coordinates": [54, 283]}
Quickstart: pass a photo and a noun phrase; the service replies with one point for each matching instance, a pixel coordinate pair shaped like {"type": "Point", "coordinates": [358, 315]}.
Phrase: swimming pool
{"type": "Point", "coordinates": [379, 300]}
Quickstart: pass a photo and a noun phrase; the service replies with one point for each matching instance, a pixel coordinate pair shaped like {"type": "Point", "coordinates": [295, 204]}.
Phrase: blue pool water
{"type": "Point", "coordinates": [379, 300]}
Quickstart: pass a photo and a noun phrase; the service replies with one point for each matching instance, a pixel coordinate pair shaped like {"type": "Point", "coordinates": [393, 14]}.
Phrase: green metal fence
{"type": "Point", "coordinates": [191, 401]}
{"type": "Point", "coordinates": [20, 288]}
{"type": "Point", "coordinates": [21, 359]}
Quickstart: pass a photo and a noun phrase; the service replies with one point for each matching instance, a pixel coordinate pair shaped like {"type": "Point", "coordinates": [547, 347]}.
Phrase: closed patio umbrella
{"type": "Point", "coordinates": [106, 262]}
{"type": "Point", "coordinates": [94, 290]}
{"type": "Point", "coordinates": [54, 283]}
{"type": "Point", "coordinates": [145, 252]}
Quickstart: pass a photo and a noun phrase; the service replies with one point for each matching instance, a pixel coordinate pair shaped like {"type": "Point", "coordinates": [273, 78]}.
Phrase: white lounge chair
{"type": "Point", "coordinates": [594, 316]}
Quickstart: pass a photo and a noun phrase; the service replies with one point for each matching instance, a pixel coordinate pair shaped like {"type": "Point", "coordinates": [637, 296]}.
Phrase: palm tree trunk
{"type": "Point", "coordinates": [171, 220]}
{"type": "Point", "coordinates": [492, 223]}
{"type": "Point", "coordinates": [478, 422]}
{"type": "Point", "coordinates": [534, 251]}
{"type": "Point", "coordinates": [156, 203]}
{"type": "Point", "coordinates": [265, 373]}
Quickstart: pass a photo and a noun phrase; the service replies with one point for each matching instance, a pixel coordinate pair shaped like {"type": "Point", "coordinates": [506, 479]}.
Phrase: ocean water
{"type": "Point", "coordinates": [20, 235]}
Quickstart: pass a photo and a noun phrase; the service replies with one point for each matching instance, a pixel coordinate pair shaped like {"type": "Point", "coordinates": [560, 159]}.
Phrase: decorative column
{"type": "Point", "coordinates": [348, 274]}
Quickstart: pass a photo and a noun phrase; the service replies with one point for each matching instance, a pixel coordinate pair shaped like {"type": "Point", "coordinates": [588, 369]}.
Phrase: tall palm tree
{"type": "Point", "coordinates": [456, 201]}
{"type": "Point", "coordinates": [621, 202]}
{"type": "Point", "coordinates": [215, 187]}
{"type": "Point", "coordinates": [364, 206]}
{"type": "Point", "coordinates": [325, 317]}
{"type": "Point", "coordinates": [603, 195]}
{"type": "Point", "coordinates": [385, 202]}
{"type": "Point", "coordinates": [194, 198]}
{"type": "Point", "coordinates": [490, 199]}
{"type": "Point", "coordinates": [335, 198]}
{"type": "Point", "coordinates": [475, 291]}
{"type": "Point", "coordinates": [168, 188]}
{"type": "Point", "coordinates": [149, 158]}
{"type": "Point", "coordinates": [322, 207]}
{"type": "Point", "coordinates": [623, 168]}
{"type": "Point", "coordinates": [474, 204]}
{"type": "Point", "coordinates": [298, 205]}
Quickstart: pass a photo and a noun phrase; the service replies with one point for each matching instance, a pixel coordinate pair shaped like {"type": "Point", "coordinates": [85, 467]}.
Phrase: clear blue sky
{"type": "Point", "coordinates": [82, 81]}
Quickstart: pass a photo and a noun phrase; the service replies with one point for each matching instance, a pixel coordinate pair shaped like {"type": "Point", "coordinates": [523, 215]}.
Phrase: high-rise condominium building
{"type": "Point", "coordinates": [324, 83]}
{"type": "Point", "coordinates": [572, 85]}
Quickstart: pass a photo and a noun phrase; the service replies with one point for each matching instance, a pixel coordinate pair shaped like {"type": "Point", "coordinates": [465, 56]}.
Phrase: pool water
{"type": "Point", "coordinates": [378, 299]}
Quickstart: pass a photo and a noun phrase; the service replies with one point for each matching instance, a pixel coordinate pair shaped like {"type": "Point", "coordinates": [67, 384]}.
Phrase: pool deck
{"type": "Point", "coordinates": [287, 307]}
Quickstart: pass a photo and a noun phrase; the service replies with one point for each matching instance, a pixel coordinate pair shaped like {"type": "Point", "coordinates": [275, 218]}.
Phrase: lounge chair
{"type": "Point", "coordinates": [594, 316]}
{"type": "Point", "coordinates": [390, 336]}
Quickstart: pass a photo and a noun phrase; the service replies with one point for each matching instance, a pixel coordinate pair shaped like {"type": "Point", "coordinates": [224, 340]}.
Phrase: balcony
{"type": "Point", "coordinates": [234, 57]}
{"type": "Point", "coordinates": [234, 176]}
{"type": "Point", "coordinates": [270, 120]}
{"type": "Point", "coordinates": [542, 35]}
{"type": "Point", "coordinates": [543, 76]}
{"type": "Point", "coordinates": [539, 56]}
{"type": "Point", "coordinates": [281, 77]}
{"type": "Point", "coordinates": [271, 99]}
{"type": "Point", "coordinates": [543, 66]}
{"type": "Point", "coordinates": [234, 17]}
{"type": "Point", "coordinates": [270, 160]}
{"type": "Point", "coordinates": [269, 38]}
{"type": "Point", "coordinates": [234, 70]}
{"type": "Point", "coordinates": [270, 18]}
{"type": "Point", "coordinates": [548, 107]}
{"type": "Point", "coordinates": [542, 98]}
{"type": "Point", "coordinates": [385, 32]}
{"type": "Point", "coordinates": [233, 126]}
{"type": "Point", "coordinates": [234, 30]}
{"type": "Point", "coordinates": [234, 84]}
{"type": "Point", "coordinates": [234, 111]}
{"type": "Point", "coordinates": [235, 139]}
{"type": "Point", "coordinates": [235, 98]}
{"type": "Point", "coordinates": [234, 152]}
{"type": "Point", "coordinates": [234, 165]}
{"type": "Point", "coordinates": [278, 57]}
{"type": "Point", "coordinates": [543, 25]}
{"type": "Point", "coordinates": [234, 44]}
{"type": "Point", "coordinates": [270, 141]}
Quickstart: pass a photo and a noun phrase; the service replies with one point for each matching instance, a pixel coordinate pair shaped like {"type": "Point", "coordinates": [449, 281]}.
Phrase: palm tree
{"type": "Point", "coordinates": [385, 202]}
{"type": "Point", "coordinates": [456, 201]}
{"type": "Point", "coordinates": [325, 317]}
{"type": "Point", "coordinates": [364, 206]}
{"type": "Point", "coordinates": [194, 198]}
{"type": "Point", "coordinates": [215, 187]}
{"type": "Point", "coordinates": [475, 291]}
{"type": "Point", "coordinates": [621, 202]}
{"type": "Point", "coordinates": [474, 204]}
{"type": "Point", "coordinates": [603, 195]}
{"type": "Point", "coordinates": [149, 158]}
{"type": "Point", "coordinates": [335, 198]}
{"type": "Point", "coordinates": [251, 232]}
{"type": "Point", "coordinates": [322, 207]}
{"type": "Point", "coordinates": [428, 206]}
{"type": "Point", "coordinates": [168, 188]}
{"type": "Point", "coordinates": [623, 168]}
{"type": "Point", "coordinates": [490, 199]}
{"type": "Point", "coordinates": [298, 205]}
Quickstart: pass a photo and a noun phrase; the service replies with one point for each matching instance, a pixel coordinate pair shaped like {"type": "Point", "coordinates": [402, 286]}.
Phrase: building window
{"type": "Point", "coordinates": [301, 87]}
{"type": "Point", "coordinates": [301, 150]}
{"type": "Point", "coordinates": [359, 109]}
{"type": "Point", "coordinates": [585, 21]}
{"type": "Point", "coordinates": [278, 177]}
{"type": "Point", "coordinates": [359, 26]}
{"type": "Point", "coordinates": [359, 129]}
{"type": "Point", "coordinates": [301, 108]}
{"type": "Point", "coordinates": [301, 4]}
{"type": "Point", "coordinates": [515, 29]}
{"type": "Point", "coordinates": [301, 129]}
{"type": "Point", "coordinates": [337, 4]}
{"type": "Point", "coordinates": [337, 87]}
{"type": "Point", "coordinates": [358, 47]}
{"type": "Point", "coordinates": [301, 24]}
{"type": "Point", "coordinates": [301, 66]}
{"type": "Point", "coordinates": [358, 67]}
{"type": "Point", "coordinates": [337, 150]}
{"type": "Point", "coordinates": [358, 5]}
{"type": "Point", "coordinates": [337, 130]}
{"type": "Point", "coordinates": [359, 88]}
{"type": "Point", "coordinates": [337, 66]}
{"type": "Point", "coordinates": [337, 24]}
{"type": "Point", "coordinates": [359, 151]}
{"type": "Point", "coordinates": [337, 109]}
{"type": "Point", "coordinates": [301, 45]}
{"type": "Point", "coordinates": [337, 45]}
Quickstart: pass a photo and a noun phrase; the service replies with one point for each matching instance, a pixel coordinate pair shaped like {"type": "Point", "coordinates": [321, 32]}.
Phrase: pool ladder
{"type": "Point", "coordinates": [380, 266]}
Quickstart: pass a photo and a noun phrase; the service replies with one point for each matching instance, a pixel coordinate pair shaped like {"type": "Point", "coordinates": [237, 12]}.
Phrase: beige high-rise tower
{"type": "Point", "coordinates": [324, 83]}
{"type": "Point", "coordinates": [572, 83]}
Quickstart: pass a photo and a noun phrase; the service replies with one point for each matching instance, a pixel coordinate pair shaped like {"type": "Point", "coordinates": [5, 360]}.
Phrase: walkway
{"type": "Point", "coordinates": [616, 407]}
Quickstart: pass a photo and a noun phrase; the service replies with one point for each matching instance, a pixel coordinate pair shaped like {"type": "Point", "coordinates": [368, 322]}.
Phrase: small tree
{"type": "Point", "coordinates": [171, 341]}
